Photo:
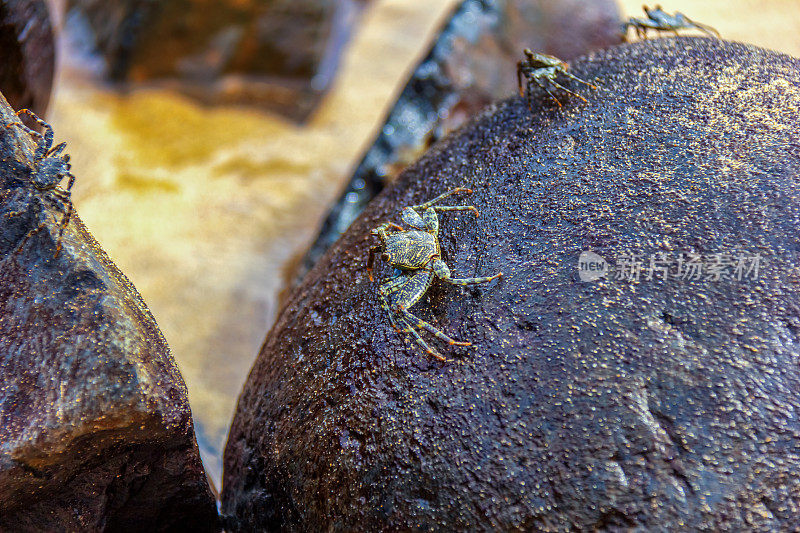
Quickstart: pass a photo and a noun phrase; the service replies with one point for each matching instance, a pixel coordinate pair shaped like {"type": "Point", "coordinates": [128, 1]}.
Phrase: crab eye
{"type": "Point", "coordinates": [385, 256]}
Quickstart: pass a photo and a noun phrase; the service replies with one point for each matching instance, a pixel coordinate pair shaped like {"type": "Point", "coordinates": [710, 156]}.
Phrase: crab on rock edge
{"type": "Point", "coordinates": [50, 167]}
{"type": "Point", "coordinates": [659, 20]}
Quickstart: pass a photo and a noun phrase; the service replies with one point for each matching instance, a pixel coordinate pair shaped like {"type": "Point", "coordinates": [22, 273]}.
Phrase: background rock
{"type": "Point", "coordinates": [95, 427]}
{"type": "Point", "coordinates": [26, 39]}
{"type": "Point", "coordinates": [282, 54]}
{"type": "Point", "coordinates": [471, 63]}
{"type": "Point", "coordinates": [657, 404]}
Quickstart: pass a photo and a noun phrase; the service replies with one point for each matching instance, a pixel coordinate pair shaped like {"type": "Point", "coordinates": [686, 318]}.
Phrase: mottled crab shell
{"type": "Point", "coordinates": [411, 249]}
{"type": "Point", "coordinates": [49, 173]}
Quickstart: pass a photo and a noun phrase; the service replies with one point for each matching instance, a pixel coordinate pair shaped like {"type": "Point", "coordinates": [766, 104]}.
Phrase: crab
{"type": "Point", "coordinates": [542, 70]}
{"type": "Point", "coordinates": [660, 21]}
{"type": "Point", "coordinates": [417, 258]}
{"type": "Point", "coordinates": [50, 167]}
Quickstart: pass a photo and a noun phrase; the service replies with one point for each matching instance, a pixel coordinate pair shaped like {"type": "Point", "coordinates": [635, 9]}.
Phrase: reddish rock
{"type": "Point", "coordinates": [95, 427]}
{"type": "Point", "coordinates": [282, 54]}
{"type": "Point", "coordinates": [631, 402]}
{"type": "Point", "coordinates": [26, 39]}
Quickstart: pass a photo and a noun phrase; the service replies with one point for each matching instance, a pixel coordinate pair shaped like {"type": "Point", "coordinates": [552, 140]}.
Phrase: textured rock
{"type": "Point", "coordinates": [26, 39]}
{"type": "Point", "coordinates": [652, 404]}
{"type": "Point", "coordinates": [95, 427]}
{"type": "Point", "coordinates": [471, 63]}
{"type": "Point", "coordinates": [282, 54]}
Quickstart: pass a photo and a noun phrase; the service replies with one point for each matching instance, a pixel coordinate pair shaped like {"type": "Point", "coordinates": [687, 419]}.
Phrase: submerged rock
{"type": "Point", "coordinates": [661, 394]}
{"type": "Point", "coordinates": [471, 63]}
{"type": "Point", "coordinates": [26, 39]}
{"type": "Point", "coordinates": [281, 54]}
{"type": "Point", "coordinates": [95, 427]}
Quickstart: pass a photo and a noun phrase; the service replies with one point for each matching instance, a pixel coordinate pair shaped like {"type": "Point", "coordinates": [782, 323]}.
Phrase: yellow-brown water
{"type": "Point", "coordinates": [203, 208]}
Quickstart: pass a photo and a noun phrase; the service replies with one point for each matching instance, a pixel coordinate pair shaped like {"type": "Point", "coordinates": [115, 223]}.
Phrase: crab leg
{"type": "Point", "coordinates": [441, 197]}
{"type": "Point", "coordinates": [471, 281]}
{"type": "Point", "coordinates": [371, 259]}
{"type": "Point", "coordinates": [386, 290]}
{"type": "Point", "coordinates": [530, 96]}
{"type": "Point", "coordinates": [24, 127]}
{"type": "Point", "coordinates": [576, 78]}
{"type": "Point", "coordinates": [520, 74]}
{"type": "Point", "coordinates": [707, 29]}
{"type": "Point", "coordinates": [419, 323]}
{"type": "Point", "coordinates": [62, 227]}
{"type": "Point", "coordinates": [393, 286]}
{"type": "Point", "coordinates": [554, 82]}
{"type": "Point", "coordinates": [385, 305]}
{"type": "Point", "coordinates": [418, 338]}
{"type": "Point", "coordinates": [27, 236]}
{"type": "Point", "coordinates": [457, 208]}
{"type": "Point", "coordinates": [547, 90]}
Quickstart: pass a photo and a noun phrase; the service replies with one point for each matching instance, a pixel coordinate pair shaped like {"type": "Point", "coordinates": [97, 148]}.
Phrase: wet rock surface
{"type": "Point", "coordinates": [26, 39]}
{"type": "Point", "coordinates": [617, 403]}
{"type": "Point", "coordinates": [471, 63]}
{"type": "Point", "coordinates": [281, 54]}
{"type": "Point", "coordinates": [95, 427]}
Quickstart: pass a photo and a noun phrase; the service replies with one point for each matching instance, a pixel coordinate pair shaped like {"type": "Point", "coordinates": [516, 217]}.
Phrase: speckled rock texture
{"type": "Point", "coordinates": [28, 48]}
{"type": "Point", "coordinates": [471, 63]}
{"type": "Point", "coordinates": [95, 427]}
{"type": "Point", "coordinates": [655, 405]}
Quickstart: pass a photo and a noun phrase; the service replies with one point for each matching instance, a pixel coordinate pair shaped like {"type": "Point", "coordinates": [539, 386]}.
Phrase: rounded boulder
{"type": "Point", "coordinates": [637, 365]}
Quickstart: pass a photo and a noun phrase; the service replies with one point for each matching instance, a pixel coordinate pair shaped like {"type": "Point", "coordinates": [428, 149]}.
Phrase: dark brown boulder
{"type": "Point", "coordinates": [281, 54]}
{"type": "Point", "coordinates": [28, 49]}
{"type": "Point", "coordinates": [611, 404]}
{"type": "Point", "coordinates": [95, 427]}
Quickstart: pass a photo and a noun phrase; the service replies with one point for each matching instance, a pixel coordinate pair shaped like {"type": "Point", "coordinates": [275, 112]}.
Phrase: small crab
{"type": "Point", "coordinates": [660, 21]}
{"type": "Point", "coordinates": [542, 69]}
{"type": "Point", "coordinates": [416, 255]}
{"type": "Point", "coordinates": [50, 168]}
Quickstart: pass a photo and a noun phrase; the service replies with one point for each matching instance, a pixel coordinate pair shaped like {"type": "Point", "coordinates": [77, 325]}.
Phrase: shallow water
{"type": "Point", "coordinates": [205, 209]}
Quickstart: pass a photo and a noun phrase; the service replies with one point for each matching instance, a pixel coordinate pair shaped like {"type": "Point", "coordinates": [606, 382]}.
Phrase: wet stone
{"type": "Point", "coordinates": [95, 427]}
{"type": "Point", "coordinates": [620, 403]}
{"type": "Point", "coordinates": [471, 63]}
{"type": "Point", "coordinates": [278, 54]}
{"type": "Point", "coordinates": [26, 39]}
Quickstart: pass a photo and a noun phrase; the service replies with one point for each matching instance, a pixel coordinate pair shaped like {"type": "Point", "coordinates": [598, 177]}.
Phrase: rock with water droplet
{"type": "Point", "coordinates": [95, 427]}
{"type": "Point", "coordinates": [661, 395]}
{"type": "Point", "coordinates": [27, 44]}
{"type": "Point", "coordinates": [279, 54]}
